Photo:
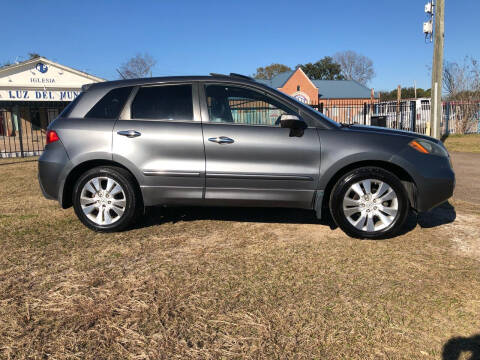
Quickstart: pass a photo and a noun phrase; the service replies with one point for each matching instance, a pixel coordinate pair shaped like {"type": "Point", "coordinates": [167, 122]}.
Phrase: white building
{"type": "Point", "coordinates": [32, 94]}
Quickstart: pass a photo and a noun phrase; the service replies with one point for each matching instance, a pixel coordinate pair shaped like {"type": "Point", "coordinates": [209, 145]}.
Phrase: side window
{"type": "Point", "coordinates": [230, 104]}
{"type": "Point", "coordinates": [111, 104]}
{"type": "Point", "coordinates": [172, 102]}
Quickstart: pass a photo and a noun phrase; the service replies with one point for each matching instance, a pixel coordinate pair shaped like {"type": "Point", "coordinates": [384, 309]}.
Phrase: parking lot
{"type": "Point", "coordinates": [235, 283]}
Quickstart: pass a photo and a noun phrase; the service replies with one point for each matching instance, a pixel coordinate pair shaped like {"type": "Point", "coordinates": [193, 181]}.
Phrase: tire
{"type": "Point", "coordinates": [106, 199]}
{"type": "Point", "coordinates": [375, 213]}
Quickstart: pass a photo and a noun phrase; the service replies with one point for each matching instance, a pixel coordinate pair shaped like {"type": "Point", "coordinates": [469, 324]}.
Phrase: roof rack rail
{"type": "Point", "coordinates": [217, 74]}
{"type": "Point", "coordinates": [242, 76]}
{"type": "Point", "coordinates": [245, 77]}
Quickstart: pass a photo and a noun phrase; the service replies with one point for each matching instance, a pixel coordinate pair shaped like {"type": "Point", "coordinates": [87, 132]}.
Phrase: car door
{"type": "Point", "coordinates": [159, 135]}
{"type": "Point", "coordinates": [250, 159]}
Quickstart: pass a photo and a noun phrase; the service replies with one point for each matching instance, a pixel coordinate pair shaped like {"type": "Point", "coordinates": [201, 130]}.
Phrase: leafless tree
{"type": "Point", "coordinates": [461, 83]}
{"type": "Point", "coordinates": [138, 66]}
{"type": "Point", "coordinates": [355, 66]}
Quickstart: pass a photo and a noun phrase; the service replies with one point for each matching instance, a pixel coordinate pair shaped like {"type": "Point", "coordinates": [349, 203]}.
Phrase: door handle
{"type": "Point", "coordinates": [221, 140]}
{"type": "Point", "coordinates": [129, 133]}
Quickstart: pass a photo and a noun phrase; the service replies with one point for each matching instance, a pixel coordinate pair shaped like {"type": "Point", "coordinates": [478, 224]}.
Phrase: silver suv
{"type": "Point", "coordinates": [229, 141]}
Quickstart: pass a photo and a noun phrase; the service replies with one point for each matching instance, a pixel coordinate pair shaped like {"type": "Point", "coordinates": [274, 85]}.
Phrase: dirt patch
{"type": "Point", "coordinates": [467, 173]}
{"type": "Point", "coordinates": [465, 234]}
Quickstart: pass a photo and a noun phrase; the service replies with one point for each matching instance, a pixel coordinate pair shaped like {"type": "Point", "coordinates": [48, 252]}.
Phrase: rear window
{"type": "Point", "coordinates": [163, 103]}
{"type": "Point", "coordinates": [68, 109]}
{"type": "Point", "coordinates": [111, 104]}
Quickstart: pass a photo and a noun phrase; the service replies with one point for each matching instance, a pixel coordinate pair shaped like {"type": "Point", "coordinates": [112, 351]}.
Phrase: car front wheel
{"type": "Point", "coordinates": [369, 202]}
{"type": "Point", "coordinates": [105, 199]}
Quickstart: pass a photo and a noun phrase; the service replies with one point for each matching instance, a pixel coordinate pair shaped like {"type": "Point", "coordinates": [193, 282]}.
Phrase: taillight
{"type": "Point", "coordinates": [52, 136]}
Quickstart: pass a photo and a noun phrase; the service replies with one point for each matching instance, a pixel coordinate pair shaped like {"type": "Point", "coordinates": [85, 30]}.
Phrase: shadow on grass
{"type": "Point", "coordinates": [443, 214]}
{"type": "Point", "coordinates": [16, 162]}
{"type": "Point", "coordinates": [455, 348]}
{"type": "Point", "coordinates": [160, 215]}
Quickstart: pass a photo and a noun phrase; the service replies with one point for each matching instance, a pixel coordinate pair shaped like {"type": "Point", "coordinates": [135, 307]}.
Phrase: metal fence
{"type": "Point", "coordinates": [23, 130]}
{"type": "Point", "coordinates": [411, 115]}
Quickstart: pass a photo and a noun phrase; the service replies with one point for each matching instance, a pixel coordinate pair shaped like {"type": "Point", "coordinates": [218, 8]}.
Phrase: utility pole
{"type": "Point", "coordinates": [399, 97]}
{"type": "Point", "coordinates": [437, 68]}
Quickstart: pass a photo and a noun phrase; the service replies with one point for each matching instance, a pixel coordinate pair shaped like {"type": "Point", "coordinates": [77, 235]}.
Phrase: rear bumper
{"type": "Point", "coordinates": [44, 192]}
{"type": "Point", "coordinates": [51, 164]}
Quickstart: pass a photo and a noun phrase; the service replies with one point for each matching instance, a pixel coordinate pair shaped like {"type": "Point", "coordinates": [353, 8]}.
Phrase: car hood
{"type": "Point", "coordinates": [387, 131]}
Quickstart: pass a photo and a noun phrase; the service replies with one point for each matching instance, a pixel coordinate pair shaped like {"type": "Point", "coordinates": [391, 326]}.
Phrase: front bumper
{"type": "Point", "coordinates": [435, 192]}
{"type": "Point", "coordinates": [435, 183]}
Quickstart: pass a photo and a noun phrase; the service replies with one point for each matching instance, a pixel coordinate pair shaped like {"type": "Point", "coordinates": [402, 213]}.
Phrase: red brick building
{"type": "Point", "coordinates": [316, 92]}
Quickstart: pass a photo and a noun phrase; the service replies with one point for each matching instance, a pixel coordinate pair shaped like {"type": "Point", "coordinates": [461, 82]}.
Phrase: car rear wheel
{"type": "Point", "coordinates": [369, 202]}
{"type": "Point", "coordinates": [105, 199]}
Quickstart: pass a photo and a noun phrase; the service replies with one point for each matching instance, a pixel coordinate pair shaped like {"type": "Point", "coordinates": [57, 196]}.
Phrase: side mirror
{"type": "Point", "coordinates": [294, 123]}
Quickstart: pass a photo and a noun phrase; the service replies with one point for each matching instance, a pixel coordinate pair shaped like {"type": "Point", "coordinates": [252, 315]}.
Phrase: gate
{"type": "Point", "coordinates": [23, 128]}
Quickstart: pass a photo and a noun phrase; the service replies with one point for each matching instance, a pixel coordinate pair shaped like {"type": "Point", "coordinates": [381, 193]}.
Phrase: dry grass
{"type": "Point", "coordinates": [463, 143]}
{"type": "Point", "coordinates": [213, 283]}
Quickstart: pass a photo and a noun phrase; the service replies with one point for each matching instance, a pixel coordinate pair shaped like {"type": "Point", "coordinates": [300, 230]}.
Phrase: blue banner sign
{"type": "Point", "coordinates": [38, 95]}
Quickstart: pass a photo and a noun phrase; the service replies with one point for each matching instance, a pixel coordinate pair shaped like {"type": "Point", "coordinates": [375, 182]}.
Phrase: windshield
{"type": "Point", "coordinates": [316, 112]}
{"type": "Point", "coordinates": [308, 108]}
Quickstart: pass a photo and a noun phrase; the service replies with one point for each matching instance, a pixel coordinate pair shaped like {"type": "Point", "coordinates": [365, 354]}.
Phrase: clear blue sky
{"type": "Point", "coordinates": [199, 37]}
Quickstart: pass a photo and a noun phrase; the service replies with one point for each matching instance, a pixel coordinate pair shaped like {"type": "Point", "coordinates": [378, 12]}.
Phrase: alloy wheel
{"type": "Point", "coordinates": [103, 200]}
{"type": "Point", "coordinates": [370, 205]}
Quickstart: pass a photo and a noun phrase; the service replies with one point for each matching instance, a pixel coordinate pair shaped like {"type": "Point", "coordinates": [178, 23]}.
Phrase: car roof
{"type": "Point", "coordinates": [106, 86]}
{"type": "Point", "coordinates": [240, 79]}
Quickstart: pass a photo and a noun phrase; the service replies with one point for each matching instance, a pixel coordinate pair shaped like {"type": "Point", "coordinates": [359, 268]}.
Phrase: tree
{"type": "Point", "coordinates": [138, 66]}
{"type": "Point", "coordinates": [32, 55]}
{"type": "Point", "coordinates": [270, 71]}
{"type": "Point", "coordinates": [407, 93]}
{"type": "Point", "coordinates": [5, 64]}
{"type": "Point", "coordinates": [355, 66]}
{"type": "Point", "coordinates": [461, 82]}
{"type": "Point", "coordinates": [324, 69]}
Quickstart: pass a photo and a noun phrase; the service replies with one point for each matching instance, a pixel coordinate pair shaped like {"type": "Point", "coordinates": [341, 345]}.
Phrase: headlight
{"type": "Point", "coordinates": [428, 147]}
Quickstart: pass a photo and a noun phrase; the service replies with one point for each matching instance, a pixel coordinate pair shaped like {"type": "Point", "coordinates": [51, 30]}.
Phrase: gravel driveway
{"type": "Point", "coordinates": [467, 171]}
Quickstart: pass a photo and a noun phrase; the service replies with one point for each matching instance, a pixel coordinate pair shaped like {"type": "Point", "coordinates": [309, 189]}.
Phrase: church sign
{"type": "Point", "coordinates": [32, 94]}
{"type": "Point", "coordinates": [42, 80]}
{"type": "Point", "coordinates": [38, 95]}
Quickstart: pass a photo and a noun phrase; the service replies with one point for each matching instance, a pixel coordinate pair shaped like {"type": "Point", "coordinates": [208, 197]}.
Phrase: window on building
{"type": "Point", "coordinates": [229, 104]}
{"type": "Point", "coordinates": [172, 102]}
{"type": "Point", "coordinates": [298, 87]}
{"type": "Point", "coordinates": [111, 104]}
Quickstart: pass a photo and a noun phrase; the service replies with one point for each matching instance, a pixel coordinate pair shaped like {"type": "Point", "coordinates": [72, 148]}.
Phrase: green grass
{"type": "Point", "coordinates": [226, 283]}
{"type": "Point", "coordinates": [463, 143]}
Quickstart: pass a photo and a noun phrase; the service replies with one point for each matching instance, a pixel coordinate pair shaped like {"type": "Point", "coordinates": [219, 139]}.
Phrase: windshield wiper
{"type": "Point", "coordinates": [345, 125]}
